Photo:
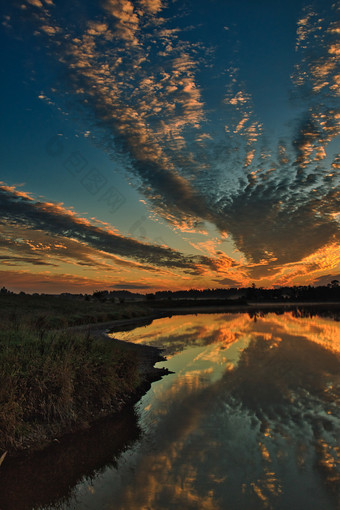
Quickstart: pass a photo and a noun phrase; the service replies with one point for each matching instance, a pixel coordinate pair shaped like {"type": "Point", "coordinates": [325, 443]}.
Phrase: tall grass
{"type": "Point", "coordinates": [53, 382]}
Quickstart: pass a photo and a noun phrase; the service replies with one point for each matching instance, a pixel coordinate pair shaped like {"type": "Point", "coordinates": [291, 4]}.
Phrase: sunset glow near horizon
{"type": "Point", "coordinates": [169, 144]}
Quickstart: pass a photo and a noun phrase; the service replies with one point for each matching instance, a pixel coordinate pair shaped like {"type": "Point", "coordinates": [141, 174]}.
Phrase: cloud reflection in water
{"type": "Point", "coordinates": [249, 419]}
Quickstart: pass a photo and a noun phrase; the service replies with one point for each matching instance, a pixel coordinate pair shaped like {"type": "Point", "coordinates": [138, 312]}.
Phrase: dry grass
{"type": "Point", "coordinates": [53, 382]}
{"type": "Point", "coordinates": [55, 312]}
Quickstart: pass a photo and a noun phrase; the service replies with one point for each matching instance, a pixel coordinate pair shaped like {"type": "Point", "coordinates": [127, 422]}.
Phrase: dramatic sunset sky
{"type": "Point", "coordinates": [169, 144]}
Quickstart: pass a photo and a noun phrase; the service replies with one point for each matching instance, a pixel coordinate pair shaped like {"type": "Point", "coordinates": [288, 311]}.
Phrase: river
{"type": "Point", "coordinates": [249, 419]}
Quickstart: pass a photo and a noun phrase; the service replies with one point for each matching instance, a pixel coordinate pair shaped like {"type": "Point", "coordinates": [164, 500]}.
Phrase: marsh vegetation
{"type": "Point", "coordinates": [55, 380]}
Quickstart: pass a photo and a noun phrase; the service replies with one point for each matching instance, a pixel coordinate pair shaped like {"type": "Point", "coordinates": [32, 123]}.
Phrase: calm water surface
{"type": "Point", "coordinates": [249, 420]}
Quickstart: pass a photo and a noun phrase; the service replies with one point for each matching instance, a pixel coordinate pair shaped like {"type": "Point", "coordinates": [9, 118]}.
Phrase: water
{"type": "Point", "coordinates": [249, 420]}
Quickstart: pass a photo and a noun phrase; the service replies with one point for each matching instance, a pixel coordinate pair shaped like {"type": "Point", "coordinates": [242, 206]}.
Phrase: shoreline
{"type": "Point", "coordinates": [101, 328]}
{"type": "Point", "coordinates": [251, 307]}
{"type": "Point", "coordinates": [147, 356]}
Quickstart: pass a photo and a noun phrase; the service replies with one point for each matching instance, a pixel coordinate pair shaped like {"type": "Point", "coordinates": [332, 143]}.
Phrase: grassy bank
{"type": "Point", "coordinates": [56, 312]}
{"type": "Point", "coordinates": [52, 383]}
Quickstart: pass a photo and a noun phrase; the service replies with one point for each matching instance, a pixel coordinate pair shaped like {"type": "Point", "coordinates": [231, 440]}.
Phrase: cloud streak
{"type": "Point", "coordinates": [20, 210]}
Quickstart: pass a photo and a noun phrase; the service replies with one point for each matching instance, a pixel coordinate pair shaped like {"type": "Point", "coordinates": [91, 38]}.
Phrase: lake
{"type": "Point", "coordinates": [249, 419]}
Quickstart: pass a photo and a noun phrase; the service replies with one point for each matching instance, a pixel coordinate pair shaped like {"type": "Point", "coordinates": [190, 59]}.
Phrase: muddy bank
{"type": "Point", "coordinates": [66, 382]}
{"type": "Point", "coordinates": [49, 477]}
{"type": "Point", "coordinates": [146, 355]}
{"type": "Point", "coordinates": [55, 467]}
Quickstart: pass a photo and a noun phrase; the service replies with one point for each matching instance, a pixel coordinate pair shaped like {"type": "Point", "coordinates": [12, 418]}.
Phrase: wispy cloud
{"type": "Point", "coordinates": [144, 103]}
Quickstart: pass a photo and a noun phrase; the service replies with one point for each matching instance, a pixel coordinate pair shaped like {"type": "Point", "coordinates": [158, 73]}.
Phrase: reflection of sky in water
{"type": "Point", "coordinates": [181, 331]}
{"type": "Point", "coordinates": [250, 419]}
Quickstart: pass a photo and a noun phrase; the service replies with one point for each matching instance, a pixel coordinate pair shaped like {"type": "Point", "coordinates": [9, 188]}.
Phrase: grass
{"type": "Point", "coordinates": [56, 312]}
{"type": "Point", "coordinates": [52, 382]}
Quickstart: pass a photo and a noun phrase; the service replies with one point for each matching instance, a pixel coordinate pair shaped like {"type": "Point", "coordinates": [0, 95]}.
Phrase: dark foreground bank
{"type": "Point", "coordinates": [60, 382]}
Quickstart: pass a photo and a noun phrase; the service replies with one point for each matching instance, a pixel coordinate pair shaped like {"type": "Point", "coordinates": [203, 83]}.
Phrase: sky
{"type": "Point", "coordinates": [169, 144]}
